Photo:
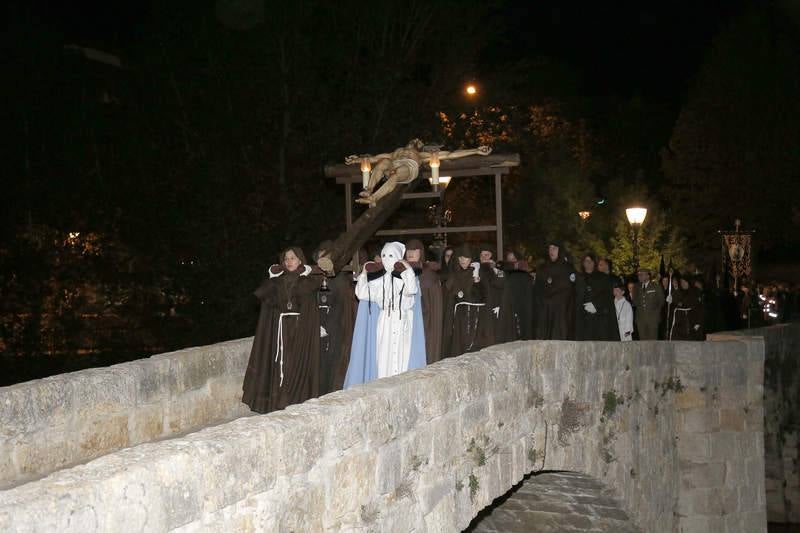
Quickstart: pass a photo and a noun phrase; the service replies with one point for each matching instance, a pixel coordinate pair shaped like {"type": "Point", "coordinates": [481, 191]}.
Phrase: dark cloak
{"type": "Point", "coordinates": [516, 309]}
{"type": "Point", "coordinates": [263, 391]}
{"type": "Point", "coordinates": [492, 288]}
{"type": "Point", "coordinates": [555, 287]}
{"type": "Point", "coordinates": [432, 312]}
{"type": "Point", "coordinates": [602, 325]}
{"type": "Point", "coordinates": [337, 308]}
{"type": "Point", "coordinates": [462, 322]}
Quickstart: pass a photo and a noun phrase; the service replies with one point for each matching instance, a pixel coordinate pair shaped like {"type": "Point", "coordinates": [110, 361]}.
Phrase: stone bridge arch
{"type": "Point", "coordinates": [555, 502]}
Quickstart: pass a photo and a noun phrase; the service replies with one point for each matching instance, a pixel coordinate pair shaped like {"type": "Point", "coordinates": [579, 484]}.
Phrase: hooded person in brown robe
{"type": "Point", "coordinates": [464, 301]}
{"type": "Point", "coordinates": [337, 312]}
{"type": "Point", "coordinates": [284, 362]}
{"type": "Point", "coordinates": [431, 296]}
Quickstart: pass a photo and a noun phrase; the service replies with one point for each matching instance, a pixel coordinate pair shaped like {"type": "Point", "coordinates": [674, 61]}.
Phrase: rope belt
{"type": "Point", "coordinates": [675, 318]}
{"type": "Point", "coordinates": [455, 308]}
{"type": "Point", "coordinates": [279, 350]}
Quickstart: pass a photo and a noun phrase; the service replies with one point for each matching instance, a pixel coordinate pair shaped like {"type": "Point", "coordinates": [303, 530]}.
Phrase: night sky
{"type": "Point", "coordinates": [621, 49]}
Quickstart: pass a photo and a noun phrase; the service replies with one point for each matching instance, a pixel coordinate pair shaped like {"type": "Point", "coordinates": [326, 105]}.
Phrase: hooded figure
{"type": "Point", "coordinates": [555, 295]}
{"type": "Point", "coordinates": [395, 347]}
{"type": "Point", "coordinates": [283, 368]}
{"type": "Point", "coordinates": [337, 311]}
{"type": "Point", "coordinates": [594, 313]}
{"type": "Point", "coordinates": [516, 313]}
{"type": "Point", "coordinates": [430, 295]}
{"type": "Point", "coordinates": [464, 300]}
{"type": "Point", "coordinates": [492, 280]}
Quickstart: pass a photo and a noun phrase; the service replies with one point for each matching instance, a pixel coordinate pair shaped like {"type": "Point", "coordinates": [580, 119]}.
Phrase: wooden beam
{"type": "Point", "coordinates": [430, 231]}
{"type": "Point", "coordinates": [498, 206]}
{"type": "Point", "coordinates": [471, 163]}
{"type": "Point", "coordinates": [425, 174]}
{"type": "Point", "coordinates": [348, 204]}
{"type": "Point", "coordinates": [414, 195]}
{"type": "Point", "coordinates": [348, 242]}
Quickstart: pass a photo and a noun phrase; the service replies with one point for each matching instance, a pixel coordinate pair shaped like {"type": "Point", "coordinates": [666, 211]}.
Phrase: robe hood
{"type": "Point", "coordinates": [391, 253]}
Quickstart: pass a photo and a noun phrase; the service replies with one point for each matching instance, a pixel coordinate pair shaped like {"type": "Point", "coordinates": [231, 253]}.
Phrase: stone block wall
{"type": "Point", "coordinates": [720, 420]}
{"type": "Point", "coordinates": [782, 417]}
{"type": "Point", "coordinates": [427, 450]}
{"type": "Point", "coordinates": [51, 423]}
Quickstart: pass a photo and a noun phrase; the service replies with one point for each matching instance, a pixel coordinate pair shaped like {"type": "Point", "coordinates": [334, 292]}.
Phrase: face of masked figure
{"type": "Point", "coordinates": [391, 253]}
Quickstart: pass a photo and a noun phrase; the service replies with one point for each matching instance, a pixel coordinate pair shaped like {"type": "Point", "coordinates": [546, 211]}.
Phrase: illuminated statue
{"type": "Point", "coordinates": [401, 166]}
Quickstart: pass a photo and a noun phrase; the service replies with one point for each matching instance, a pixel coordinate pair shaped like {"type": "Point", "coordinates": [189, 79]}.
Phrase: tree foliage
{"type": "Point", "coordinates": [733, 152]}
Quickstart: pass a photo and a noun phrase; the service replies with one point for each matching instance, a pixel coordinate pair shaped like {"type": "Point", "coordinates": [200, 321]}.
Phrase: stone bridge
{"type": "Point", "coordinates": [668, 435]}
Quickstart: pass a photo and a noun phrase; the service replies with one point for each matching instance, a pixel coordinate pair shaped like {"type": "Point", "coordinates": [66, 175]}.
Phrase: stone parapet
{"type": "Point", "coordinates": [52, 423]}
{"type": "Point", "coordinates": [428, 449]}
{"type": "Point", "coordinates": [781, 418]}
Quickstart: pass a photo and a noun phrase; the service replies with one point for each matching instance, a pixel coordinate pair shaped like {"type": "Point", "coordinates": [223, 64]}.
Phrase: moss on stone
{"type": "Point", "coordinates": [474, 485]}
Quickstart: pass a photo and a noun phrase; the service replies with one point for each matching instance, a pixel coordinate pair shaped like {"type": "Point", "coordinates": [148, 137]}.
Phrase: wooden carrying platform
{"type": "Point", "coordinates": [370, 222]}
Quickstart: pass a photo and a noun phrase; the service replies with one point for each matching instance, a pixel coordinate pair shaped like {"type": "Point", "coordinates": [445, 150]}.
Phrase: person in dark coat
{"type": "Point", "coordinates": [283, 368]}
{"type": "Point", "coordinates": [595, 319]}
{"type": "Point", "coordinates": [516, 309]}
{"type": "Point", "coordinates": [491, 279]}
{"type": "Point", "coordinates": [337, 307]}
{"type": "Point", "coordinates": [555, 285]}
{"type": "Point", "coordinates": [431, 297]}
{"type": "Point", "coordinates": [463, 302]}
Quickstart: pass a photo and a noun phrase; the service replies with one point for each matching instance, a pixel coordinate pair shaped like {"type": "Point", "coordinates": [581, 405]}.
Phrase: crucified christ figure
{"type": "Point", "coordinates": [402, 166]}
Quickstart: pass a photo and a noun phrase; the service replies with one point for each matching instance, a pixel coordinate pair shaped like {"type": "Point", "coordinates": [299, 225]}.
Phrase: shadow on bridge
{"type": "Point", "coordinates": [555, 501]}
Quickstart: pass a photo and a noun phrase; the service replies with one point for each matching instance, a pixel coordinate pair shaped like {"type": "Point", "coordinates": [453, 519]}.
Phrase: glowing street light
{"type": "Point", "coordinates": [584, 214]}
{"type": "Point", "coordinates": [636, 216]}
{"type": "Point", "coordinates": [472, 90]}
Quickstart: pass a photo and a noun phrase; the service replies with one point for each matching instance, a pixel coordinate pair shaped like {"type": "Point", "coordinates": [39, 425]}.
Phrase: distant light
{"type": "Point", "coordinates": [584, 214]}
{"type": "Point", "coordinates": [472, 90]}
{"type": "Point", "coordinates": [74, 234]}
{"type": "Point", "coordinates": [636, 215]}
{"type": "Point", "coordinates": [601, 201]}
{"type": "Point", "coordinates": [774, 315]}
{"type": "Point", "coordinates": [443, 180]}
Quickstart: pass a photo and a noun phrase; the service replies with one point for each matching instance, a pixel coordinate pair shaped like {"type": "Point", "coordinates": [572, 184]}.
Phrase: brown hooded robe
{"type": "Point", "coordinates": [284, 292]}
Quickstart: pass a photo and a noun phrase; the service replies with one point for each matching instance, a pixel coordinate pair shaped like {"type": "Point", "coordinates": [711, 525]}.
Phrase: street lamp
{"type": "Point", "coordinates": [584, 214]}
{"type": "Point", "coordinates": [471, 90]}
{"type": "Point", "coordinates": [636, 216]}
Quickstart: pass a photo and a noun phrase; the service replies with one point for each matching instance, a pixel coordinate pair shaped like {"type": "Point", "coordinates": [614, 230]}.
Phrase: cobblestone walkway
{"type": "Point", "coordinates": [555, 502]}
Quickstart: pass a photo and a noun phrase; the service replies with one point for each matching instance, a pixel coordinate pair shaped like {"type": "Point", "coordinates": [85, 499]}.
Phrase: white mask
{"type": "Point", "coordinates": [391, 253]}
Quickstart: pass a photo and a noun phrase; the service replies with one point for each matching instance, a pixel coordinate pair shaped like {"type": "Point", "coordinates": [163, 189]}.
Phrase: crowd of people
{"type": "Point", "coordinates": [319, 331]}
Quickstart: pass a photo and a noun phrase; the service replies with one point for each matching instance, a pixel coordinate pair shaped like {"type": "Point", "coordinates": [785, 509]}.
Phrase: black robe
{"type": "Point", "coordinates": [555, 285]}
{"type": "Point", "coordinates": [492, 288]}
{"type": "Point", "coordinates": [595, 288]}
{"type": "Point", "coordinates": [516, 309]}
{"type": "Point", "coordinates": [263, 390]}
{"type": "Point", "coordinates": [337, 308]}
{"type": "Point", "coordinates": [462, 321]}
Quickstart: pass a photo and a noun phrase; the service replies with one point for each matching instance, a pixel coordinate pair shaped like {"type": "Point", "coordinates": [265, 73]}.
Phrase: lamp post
{"type": "Point", "coordinates": [636, 216]}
